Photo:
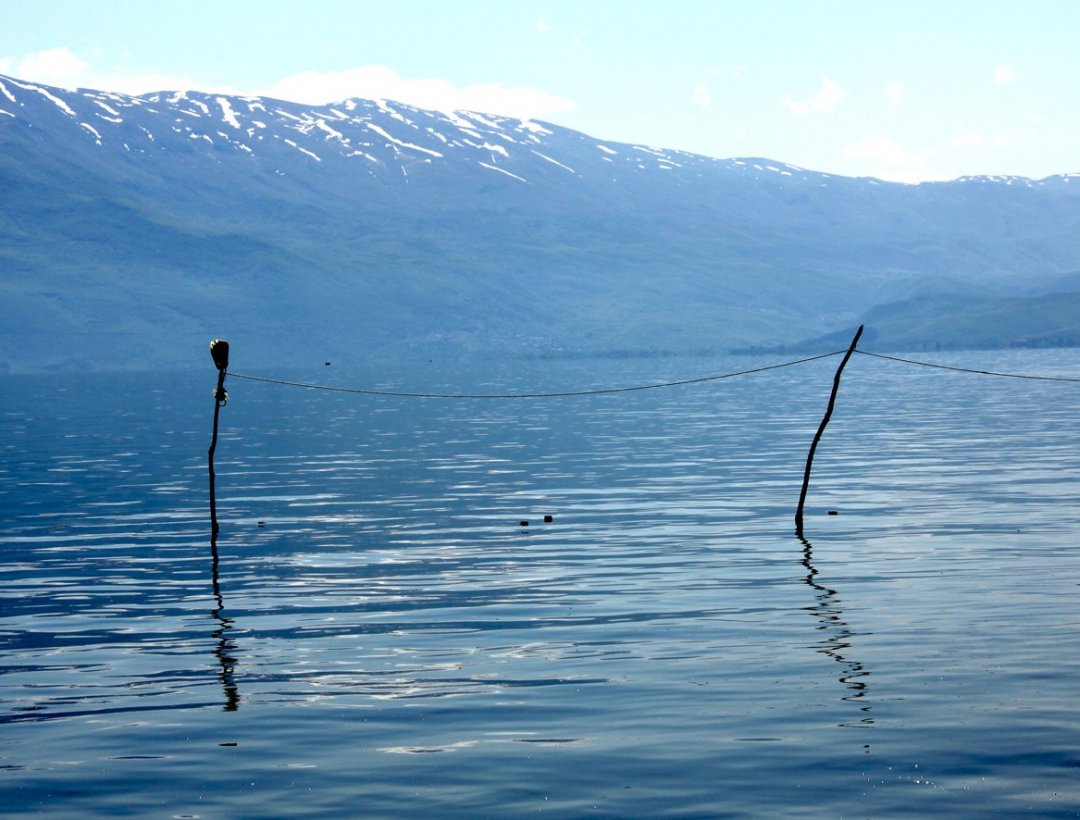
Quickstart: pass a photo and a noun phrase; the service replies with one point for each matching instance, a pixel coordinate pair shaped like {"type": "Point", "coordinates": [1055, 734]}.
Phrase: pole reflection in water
{"type": "Point", "coordinates": [226, 646]}
{"type": "Point", "coordinates": [838, 634]}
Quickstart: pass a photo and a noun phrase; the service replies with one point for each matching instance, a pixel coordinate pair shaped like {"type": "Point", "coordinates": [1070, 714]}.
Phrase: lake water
{"type": "Point", "coordinates": [380, 637]}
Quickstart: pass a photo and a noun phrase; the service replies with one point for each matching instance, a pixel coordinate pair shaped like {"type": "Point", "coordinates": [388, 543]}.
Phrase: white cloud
{"type": "Point", "coordinates": [1004, 74]}
{"type": "Point", "coordinates": [61, 67]}
{"type": "Point", "coordinates": [54, 66]}
{"type": "Point", "coordinates": [891, 153]}
{"type": "Point", "coordinates": [542, 26]}
{"type": "Point", "coordinates": [381, 82]}
{"type": "Point", "coordinates": [701, 95]}
{"type": "Point", "coordinates": [824, 101]}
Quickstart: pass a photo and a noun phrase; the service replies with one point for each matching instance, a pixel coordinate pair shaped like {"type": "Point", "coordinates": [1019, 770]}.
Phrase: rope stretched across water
{"type": "Point", "coordinates": [969, 369]}
{"type": "Point", "coordinates": [633, 388]}
{"type": "Point", "coordinates": [558, 394]}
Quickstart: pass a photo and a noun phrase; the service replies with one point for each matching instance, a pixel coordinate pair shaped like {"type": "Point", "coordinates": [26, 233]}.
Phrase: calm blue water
{"type": "Point", "coordinates": [380, 637]}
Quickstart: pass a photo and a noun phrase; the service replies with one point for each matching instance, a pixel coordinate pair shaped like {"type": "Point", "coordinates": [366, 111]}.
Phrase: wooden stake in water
{"type": "Point", "coordinates": [821, 429]}
{"type": "Point", "coordinates": [219, 349]}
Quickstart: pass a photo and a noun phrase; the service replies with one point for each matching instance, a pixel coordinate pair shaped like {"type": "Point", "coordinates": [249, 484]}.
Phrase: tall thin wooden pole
{"type": "Point", "coordinates": [821, 429]}
{"type": "Point", "coordinates": [219, 349]}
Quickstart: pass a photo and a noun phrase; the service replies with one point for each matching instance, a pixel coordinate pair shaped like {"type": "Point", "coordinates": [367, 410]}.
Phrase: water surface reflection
{"type": "Point", "coordinates": [225, 647]}
{"type": "Point", "coordinates": [837, 643]}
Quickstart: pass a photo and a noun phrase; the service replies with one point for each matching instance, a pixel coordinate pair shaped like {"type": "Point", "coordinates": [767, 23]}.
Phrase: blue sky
{"type": "Point", "coordinates": [908, 90]}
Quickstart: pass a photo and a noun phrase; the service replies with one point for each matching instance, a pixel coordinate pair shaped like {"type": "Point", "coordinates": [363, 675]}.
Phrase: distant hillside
{"type": "Point", "coordinates": [373, 229]}
{"type": "Point", "coordinates": [957, 322]}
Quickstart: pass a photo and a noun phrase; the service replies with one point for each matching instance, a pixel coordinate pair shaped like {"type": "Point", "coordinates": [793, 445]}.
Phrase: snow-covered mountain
{"type": "Point", "coordinates": [387, 140]}
{"type": "Point", "coordinates": [370, 225]}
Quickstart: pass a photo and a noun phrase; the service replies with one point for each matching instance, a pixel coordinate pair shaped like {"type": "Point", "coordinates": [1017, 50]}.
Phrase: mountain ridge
{"type": "Point", "coordinates": [172, 217]}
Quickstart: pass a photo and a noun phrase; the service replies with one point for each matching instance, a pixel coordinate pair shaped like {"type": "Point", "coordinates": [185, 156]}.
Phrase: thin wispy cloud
{"type": "Point", "coordinates": [830, 96]}
{"type": "Point", "coordinates": [716, 77]}
{"type": "Point", "coordinates": [382, 82]}
{"type": "Point", "coordinates": [1004, 74]}
{"type": "Point", "coordinates": [904, 164]}
{"type": "Point", "coordinates": [895, 93]}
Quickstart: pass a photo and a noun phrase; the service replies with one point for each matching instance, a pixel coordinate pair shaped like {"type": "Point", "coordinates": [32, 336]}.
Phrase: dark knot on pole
{"type": "Point", "coordinates": [219, 349]}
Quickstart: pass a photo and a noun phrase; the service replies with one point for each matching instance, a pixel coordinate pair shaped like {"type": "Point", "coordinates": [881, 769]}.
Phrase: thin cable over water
{"type": "Point", "coordinates": [970, 370]}
{"type": "Point", "coordinates": [559, 394]}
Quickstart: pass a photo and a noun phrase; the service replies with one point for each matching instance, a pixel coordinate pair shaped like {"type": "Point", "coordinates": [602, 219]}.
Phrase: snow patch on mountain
{"type": "Point", "coordinates": [534, 127]}
{"type": "Point", "coordinates": [502, 171]}
{"type": "Point", "coordinates": [553, 161]}
{"type": "Point", "coordinates": [227, 113]}
{"type": "Point", "coordinates": [303, 150]}
{"type": "Point", "coordinates": [395, 141]}
{"type": "Point", "coordinates": [92, 130]}
{"type": "Point", "coordinates": [59, 103]}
